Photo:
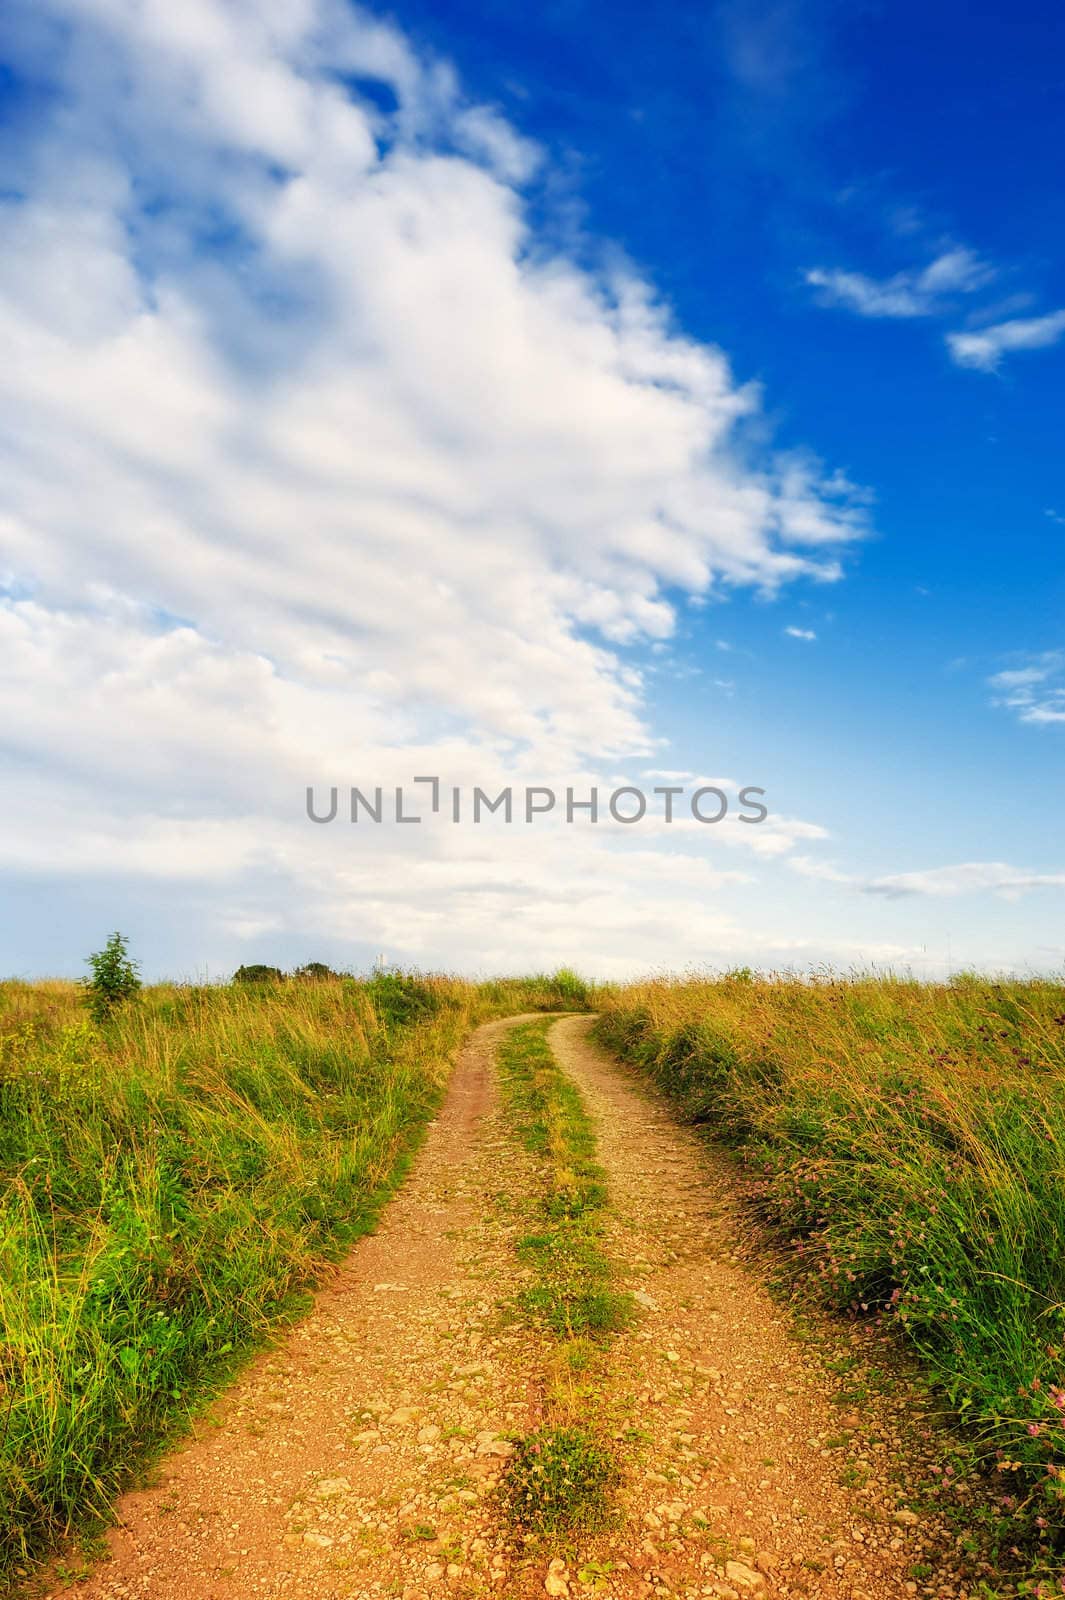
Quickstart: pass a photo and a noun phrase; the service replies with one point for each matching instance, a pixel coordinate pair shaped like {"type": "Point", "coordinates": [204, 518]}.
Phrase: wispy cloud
{"type": "Point", "coordinates": [966, 877]}
{"type": "Point", "coordinates": [934, 290]}
{"type": "Point", "coordinates": [800, 633]}
{"type": "Point", "coordinates": [1036, 690]}
{"type": "Point", "coordinates": [984, 348]}
{"type": "Point", "coordinates": [922, 292]}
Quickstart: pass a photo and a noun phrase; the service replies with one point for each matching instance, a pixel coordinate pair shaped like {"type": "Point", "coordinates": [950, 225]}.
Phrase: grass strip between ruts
{"type": "Point", "coordinates": [561, 1475]}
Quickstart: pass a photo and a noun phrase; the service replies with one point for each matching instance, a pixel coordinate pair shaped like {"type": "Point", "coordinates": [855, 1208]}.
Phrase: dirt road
{"type": "Point", "coordinates": [357, 1458]}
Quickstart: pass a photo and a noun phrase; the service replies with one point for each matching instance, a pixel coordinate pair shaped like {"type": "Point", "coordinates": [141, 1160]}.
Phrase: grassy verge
{"type": "Point", "coordinates": [172, 1182]}
{"type": "Point", "coordinates": [560, 1476]}
{"type": "Point", "coordinates": [908, 1143]}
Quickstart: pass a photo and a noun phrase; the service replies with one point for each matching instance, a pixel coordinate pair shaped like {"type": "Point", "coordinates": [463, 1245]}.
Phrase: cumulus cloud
{"type": "Point", "coordinates": [918, 292]}
{"type": "Point", "coordinates": [317, 389]}
{"type": "Point", "coordinates": [983, 348]}
{"type": "Point", "coordinates": [800, 633]}
{"type": "Point", "coordinates": [318, 463]}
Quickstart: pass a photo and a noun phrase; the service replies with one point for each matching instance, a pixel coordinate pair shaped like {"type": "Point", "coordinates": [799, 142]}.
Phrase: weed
{"type": "Point", "coordinates": [595, 1574]}
{"type": "Point", "coordinates": [558, 1479]}
{"type": "Point", "coordinates": [853, 1477]}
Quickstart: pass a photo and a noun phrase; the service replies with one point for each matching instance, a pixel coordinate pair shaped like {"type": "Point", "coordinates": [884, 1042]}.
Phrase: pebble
{"type": "Point", "coordinates": [402, 1415]}
{"type": "Point", "coordinates": [329, 1488]}
{"type": "Point", "coordinates": [748, 1578]}
{"type": "Point", "coordinates": [557, 1579]}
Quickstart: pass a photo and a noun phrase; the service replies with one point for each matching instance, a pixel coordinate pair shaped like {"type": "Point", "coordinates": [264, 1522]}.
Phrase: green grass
{"type": "Point", "coordinates": [559, 1477]}
{"type": "Point", "coordinates": [559, 1480]}
{"type": "Point", "coordinates": [907, 1142]}
{"type": "Point", "coordinates": [172, 1182]}
{"type": "Point", "coordinates": [571, 1293]}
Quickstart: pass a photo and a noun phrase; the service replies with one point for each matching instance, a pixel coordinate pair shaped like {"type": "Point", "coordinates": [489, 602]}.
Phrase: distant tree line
{"type": "Point", "coordinates": [258, 972]}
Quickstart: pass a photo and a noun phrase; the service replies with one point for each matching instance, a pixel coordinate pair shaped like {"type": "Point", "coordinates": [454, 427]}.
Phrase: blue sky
{"type": "Point", "coordinates": [545, 397]}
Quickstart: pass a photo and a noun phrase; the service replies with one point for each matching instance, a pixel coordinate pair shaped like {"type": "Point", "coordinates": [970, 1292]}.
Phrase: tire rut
{"type": "Point", "coordinates": [355, 1457]}
{"type": "Point", "coordinates": [739, 1492]}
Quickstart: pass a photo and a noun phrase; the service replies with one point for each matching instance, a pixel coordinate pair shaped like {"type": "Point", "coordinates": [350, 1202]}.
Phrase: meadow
{"type": "Point", "coordinates": [905, 1143]}
{"type": "Point", "coordinates": [174, 1178]}
{"type": "Point", "coordinates": [176, 1175]}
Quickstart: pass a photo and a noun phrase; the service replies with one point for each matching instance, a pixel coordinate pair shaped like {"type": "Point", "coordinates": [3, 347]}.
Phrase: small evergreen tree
{"type": "Point", "coordinates": [114, 978]}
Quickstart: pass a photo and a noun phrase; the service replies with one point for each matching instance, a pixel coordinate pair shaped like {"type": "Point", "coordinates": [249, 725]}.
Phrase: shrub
{"type": "Point", "coordinates": [401, 999]}
{"type": "Point", "coordinates": [315, 971]}
{"type": "Point", "coordinates": [258, 973]}
{"type": "Point", "coordinates": [114, 978]}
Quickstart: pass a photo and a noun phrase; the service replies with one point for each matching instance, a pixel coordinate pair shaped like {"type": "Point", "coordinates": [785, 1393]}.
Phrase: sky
{"type": "Point", "coordinates": [570, 396]}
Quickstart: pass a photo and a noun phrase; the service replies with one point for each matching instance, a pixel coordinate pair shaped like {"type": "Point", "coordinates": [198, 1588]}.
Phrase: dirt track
{"type": "Point", "coordinates": [357, 1458]}
{"type": "Point", "coordinates": [744, 1428]}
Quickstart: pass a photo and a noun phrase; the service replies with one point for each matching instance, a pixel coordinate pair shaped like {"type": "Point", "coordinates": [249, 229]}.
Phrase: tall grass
{"type": "Point", "coordinates": [170, 1181]}
{"type": "Point", "coordinates": [909, 1142]}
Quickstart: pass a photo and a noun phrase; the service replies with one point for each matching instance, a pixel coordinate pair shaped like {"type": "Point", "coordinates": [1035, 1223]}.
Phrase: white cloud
{"type": "Point", "coordinates": [920, 292]}
{"type": "Point", "coordinates": [800, 633]}
{"type": "Point", "coordinates": [158, 759]}
{"type": "Point", "coordinates": [984, 348]}
{"type": "Point", "coordinates": [318, 465]}
{"type": "Point", "coordinates": [957, 271]}
{"type": "Point", "coordinates": [1035, 691]}
{"type": "Point", "coordinates": [968, 877]}
{"type": "Point", "coordinates": [376, 426]}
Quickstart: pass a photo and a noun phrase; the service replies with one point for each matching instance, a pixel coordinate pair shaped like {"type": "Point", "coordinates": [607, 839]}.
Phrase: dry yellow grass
{"type": "Point", "coordinates": [908, 1142]}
